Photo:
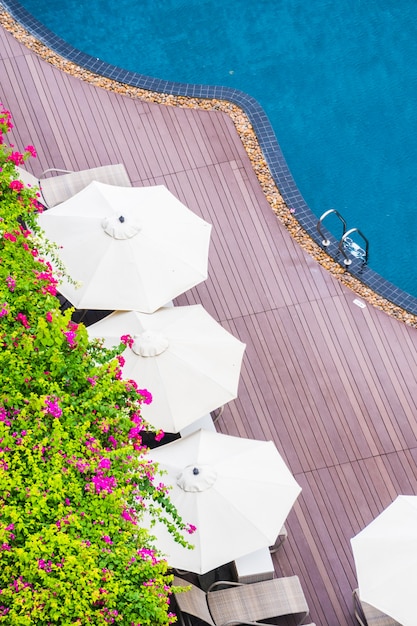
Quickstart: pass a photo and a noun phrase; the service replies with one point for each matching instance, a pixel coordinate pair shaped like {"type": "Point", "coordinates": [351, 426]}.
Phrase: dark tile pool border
{"type": "Point", "coordinates": [261, 125]}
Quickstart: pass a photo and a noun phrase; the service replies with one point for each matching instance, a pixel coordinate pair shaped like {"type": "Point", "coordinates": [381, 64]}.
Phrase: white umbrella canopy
{"type": "Point", "coordinates": [237, 492]}
{"type": "Point", "coordinates": [385, 554]}
{"type": "Point", "coordinates": [182, 355]}
{"type": "Point", "coordinates": [131, 248]}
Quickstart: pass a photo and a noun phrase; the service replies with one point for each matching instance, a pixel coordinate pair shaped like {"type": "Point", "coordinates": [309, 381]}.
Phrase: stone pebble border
{"type": "Point", "coordinates": [250, 142]}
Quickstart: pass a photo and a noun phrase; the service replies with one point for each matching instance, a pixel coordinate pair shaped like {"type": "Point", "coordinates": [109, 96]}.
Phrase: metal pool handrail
{"type": "Point", "coordinates": [326, 242]}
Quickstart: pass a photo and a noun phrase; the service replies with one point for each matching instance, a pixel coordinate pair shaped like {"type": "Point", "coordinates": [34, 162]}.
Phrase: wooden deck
{"type": "Point", "coordinates": [333, 384]}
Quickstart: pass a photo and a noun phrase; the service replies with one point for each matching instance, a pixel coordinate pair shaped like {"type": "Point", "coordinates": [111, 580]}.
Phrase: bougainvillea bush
{"type": "Point", "coordinates": [74, 475]}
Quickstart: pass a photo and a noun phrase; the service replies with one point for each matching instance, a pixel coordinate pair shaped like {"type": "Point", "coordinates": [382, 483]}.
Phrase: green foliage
{"type": "Point", "coordinates": [74, 475]}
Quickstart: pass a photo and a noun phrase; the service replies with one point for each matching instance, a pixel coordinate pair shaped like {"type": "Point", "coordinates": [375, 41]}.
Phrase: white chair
{"type": "Point", "coordinates": [65, 183]}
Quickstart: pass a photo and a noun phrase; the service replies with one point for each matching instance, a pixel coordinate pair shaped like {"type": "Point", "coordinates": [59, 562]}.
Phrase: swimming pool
{"type": "Point", "coordinates": [334, 80]}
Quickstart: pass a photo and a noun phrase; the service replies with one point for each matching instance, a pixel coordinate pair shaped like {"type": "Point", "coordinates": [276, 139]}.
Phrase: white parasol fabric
{"type": "Point", "coordinates": [182, 355]}
{"type": "Point", "coordinates": [131, 248]}
{"type": "Point", "coordinates": [237, 492]}
{"type": "Point", "coordinates": [385, 554]}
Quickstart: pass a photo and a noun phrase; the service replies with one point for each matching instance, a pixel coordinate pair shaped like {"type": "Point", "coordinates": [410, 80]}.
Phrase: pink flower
{"type": "Point", "coordinates": [127, 340]}
{"type": "Point", "coordinates": [70, 335]}
{"type": "Point", "coordinates": [31, 151]}
{"type": "Point", "coordinates": [52, 407]}
{"type": "Point", "coordinates": [146, 553]}
{"type": "Point", "coordinates": [159, 435]}
{"type": "Point", "coordinates": [129, 515]}
{"type": "Point", "coordinates": [9, 236]}
{"type": "Point", "coordinates": [23, 319]}
{"type": "Point", "coordinates": [48, 316]}
{"type": "Point", "coordinates": [191, 529]}
{"type": "Point", "coordinates": [3, 310]}
{"type": "Point", "coordinates": [16, 185]}
{"type": "Point", "coordinates": [146, 396]}
{"type": "Point", "coordinates": [132, 384]}
{"type": "Point", "coordinates": [6, 118]}
{"type": "Point", "coordinates": [16, 158]}
{"type": "Point", "coordinates": [51, 282]}
{"type": "Point", "coordinates": [36, 204]}
{"type": "Point", "coordinates": [92, 380]}
{"type": "Point", "coordinates": [11, 283]}
{"type": "Point", "coordinates": [106, 539]}
{"type": "Point", "coordinates": [136, 419]}
{"type": "Point", "coordinates": [134, 433]}
{"type": "Point", "coordinates": [104, 463]}
{"type": "Point", "coordinates": [104, 483]}
{"type": "Point", "coordinates": [46, 565]}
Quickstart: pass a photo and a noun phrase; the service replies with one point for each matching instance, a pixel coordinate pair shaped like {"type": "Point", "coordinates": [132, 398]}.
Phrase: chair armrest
{"type": "Point", "coordinates": [225, 583]}
{"type": "Point", "coordinates": [235, 623]}
{"type": "Point", "coordinates": [180, 572]}
{"type": "Point", "coordinates": [55, 169]}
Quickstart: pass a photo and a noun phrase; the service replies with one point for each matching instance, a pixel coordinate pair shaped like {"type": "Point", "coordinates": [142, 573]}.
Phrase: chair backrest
{"type": "Point", "coordinates": [57, 189]}
{"type": "Point", "coordinates": [192, 601]}
{"type": "Point", "coordinates": [368, 615]}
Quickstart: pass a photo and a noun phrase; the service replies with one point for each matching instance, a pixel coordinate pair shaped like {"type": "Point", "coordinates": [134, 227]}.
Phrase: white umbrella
{"type": "Point", "coordinates": [129, 247]}
{"type": "Point", "coordinates": [187, 360]}
{"type": "Point", "coordinates": [237, 492]}
{"type": "Point", "coordinates": [385, 555]}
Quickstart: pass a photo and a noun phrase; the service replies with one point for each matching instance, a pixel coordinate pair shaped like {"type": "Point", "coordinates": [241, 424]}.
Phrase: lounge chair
{"type": "Point", "coordinates": [368, 615]}
{"type": "Point", "coordinates": [241, 603]}
{"type": "Point", "coordinates": [66, 183]}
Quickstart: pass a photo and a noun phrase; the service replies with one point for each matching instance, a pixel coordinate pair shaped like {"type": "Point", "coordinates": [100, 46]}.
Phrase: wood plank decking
{"type": "Point", "coordinates": [334, 385]}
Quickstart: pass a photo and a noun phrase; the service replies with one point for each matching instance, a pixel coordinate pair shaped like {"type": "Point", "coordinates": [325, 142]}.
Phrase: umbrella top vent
{"type": "Point", "coordinates": [120, 227]}
{"type": "Point", "coordinates": [150, 343]}
{"type": "Point", "coordinates": [199, 478]}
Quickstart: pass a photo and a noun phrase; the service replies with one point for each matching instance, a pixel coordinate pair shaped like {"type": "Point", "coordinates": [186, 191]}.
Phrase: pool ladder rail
{"type": "Point", "coordinates": [346, 243]}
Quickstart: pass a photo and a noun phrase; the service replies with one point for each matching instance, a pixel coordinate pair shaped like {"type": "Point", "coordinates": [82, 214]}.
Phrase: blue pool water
{"type": "Point", "coordinates": [338, 81]}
